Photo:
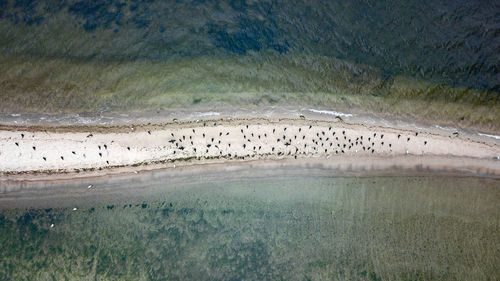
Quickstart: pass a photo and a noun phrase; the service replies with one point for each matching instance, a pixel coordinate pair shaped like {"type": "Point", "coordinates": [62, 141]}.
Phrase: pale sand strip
{"type": "Point", "coordinates": [99, 150]}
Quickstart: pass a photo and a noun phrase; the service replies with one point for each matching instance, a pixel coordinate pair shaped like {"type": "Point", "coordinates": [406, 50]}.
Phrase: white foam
{"type": "Point", "coordinates": [15, 115]}
{"type": "Point", "coordinates": [330, 112]}
{"type": "Point", "coordinates": [446, 128]}
{"type": "Point", "coordinates": [210, 113]}
{"type": "Point", "coordinates": [490, 136]}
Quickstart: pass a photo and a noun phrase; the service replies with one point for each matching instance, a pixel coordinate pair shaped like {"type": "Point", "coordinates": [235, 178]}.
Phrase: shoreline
{"type": "Point", "coordinates": [114, 150]}
{"type": "Point", "coordinates": [20, 194]}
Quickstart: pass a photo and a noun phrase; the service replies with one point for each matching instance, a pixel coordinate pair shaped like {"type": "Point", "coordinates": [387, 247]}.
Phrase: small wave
{"type": "Point", "coordinates": [210, 113]}
{"type": "Point", "coordinates": [489, 136]}
{"type": "Point", "coordinates": [446, 128]}
{"type": "Point", "coordinates": [330, 112]}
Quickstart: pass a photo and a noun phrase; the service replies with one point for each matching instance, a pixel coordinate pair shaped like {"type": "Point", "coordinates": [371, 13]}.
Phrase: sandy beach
{"type": "Point", "coordinates": [30, 153]}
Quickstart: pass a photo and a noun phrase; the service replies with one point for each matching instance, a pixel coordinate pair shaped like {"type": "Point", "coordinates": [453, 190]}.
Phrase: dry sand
{"type": "Point", "coordinates": [35, 152]}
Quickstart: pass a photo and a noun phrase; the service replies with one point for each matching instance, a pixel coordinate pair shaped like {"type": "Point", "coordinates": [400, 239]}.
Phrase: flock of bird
{"type": "Point", "coordinates": [238, 142]}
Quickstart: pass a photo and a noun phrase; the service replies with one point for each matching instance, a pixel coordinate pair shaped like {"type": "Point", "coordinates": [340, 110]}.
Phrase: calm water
{"type": "Point", "coordinates": [436, 60]}
{"type": "Point", "coordinates": [287, 224]}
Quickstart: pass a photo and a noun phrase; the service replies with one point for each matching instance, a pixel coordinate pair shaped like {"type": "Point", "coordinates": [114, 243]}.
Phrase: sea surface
{"type": "Point", "coordinates": [252, 224]}
{"type": "Point", "coordinates": [434, 60]}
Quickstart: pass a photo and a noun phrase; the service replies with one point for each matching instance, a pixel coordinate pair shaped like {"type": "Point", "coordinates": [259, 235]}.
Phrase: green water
{"type": "Point", "coordinates": [280, 227]}
{"type": "Point", "coordinates": [433, 60]}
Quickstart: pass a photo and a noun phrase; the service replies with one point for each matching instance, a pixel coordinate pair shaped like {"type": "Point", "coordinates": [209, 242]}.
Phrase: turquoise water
{"type": "Point", "coordinates": [291, 225]}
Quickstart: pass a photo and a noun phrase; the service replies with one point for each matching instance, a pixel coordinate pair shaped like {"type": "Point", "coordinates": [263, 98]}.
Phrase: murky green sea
{"type": "Point", "coordinates": [287, 225]}
{"type": "Point", "coordinates": [433, 60]}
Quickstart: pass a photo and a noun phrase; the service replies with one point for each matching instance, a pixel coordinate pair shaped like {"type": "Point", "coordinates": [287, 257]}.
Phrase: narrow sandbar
{"type": "Point", "coordinates": [30, 153]}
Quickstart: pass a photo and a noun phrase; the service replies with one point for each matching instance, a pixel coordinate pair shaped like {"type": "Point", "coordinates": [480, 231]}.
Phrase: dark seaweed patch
{"type": "Point", "coordinates": [97, 14]}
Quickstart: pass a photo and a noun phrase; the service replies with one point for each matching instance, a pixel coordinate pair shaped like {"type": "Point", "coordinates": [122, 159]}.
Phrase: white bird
{"type": "Point", "coordinates": [135, 172]}
{"type": "Point", "coordinates": [407, 152]}
{"type": "Point", "coordinates": [52, 225]}
{"type": "Point", "coordinates": [74, 209]}
{"type": "Point", "coordinates": [90, 186]}
{"type": "Point", "coordinates": [174, 165]}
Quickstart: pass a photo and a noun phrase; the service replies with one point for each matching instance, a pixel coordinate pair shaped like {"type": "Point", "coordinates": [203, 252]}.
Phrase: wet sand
{"type": "Point", "coordinates": [48, 152]}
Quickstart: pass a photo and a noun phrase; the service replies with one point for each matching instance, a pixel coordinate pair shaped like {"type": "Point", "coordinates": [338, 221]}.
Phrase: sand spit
{"type": "Point", "coordinates": [98, 150]}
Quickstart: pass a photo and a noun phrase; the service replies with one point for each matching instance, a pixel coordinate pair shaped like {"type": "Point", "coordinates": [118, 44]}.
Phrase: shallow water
{"type": "Point", "coordinates": [435, 60]}
{"type": "Point", "coordinates": [285, 224]}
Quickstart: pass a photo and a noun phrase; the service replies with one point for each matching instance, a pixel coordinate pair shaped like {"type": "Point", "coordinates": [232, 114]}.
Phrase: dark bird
{"type": "Point", "coordinates": [100, 154]}
{"type": "Point", "coordinates": [73, 152]}
{"type": "Point", "coordinates": [149, 132]}
{"type": "Point", "coordinates": [34, 148]}
{"type": "Point", "coordinates": [17, 144]}
{"type": "Point", "coordinates": [105, 147]}
{"type": "Point", "coordinates": [62, 158]}
{"type": "Point", "coordinates": [44, 159]}
{"type": "Point", "coordinates": [22, 136]}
